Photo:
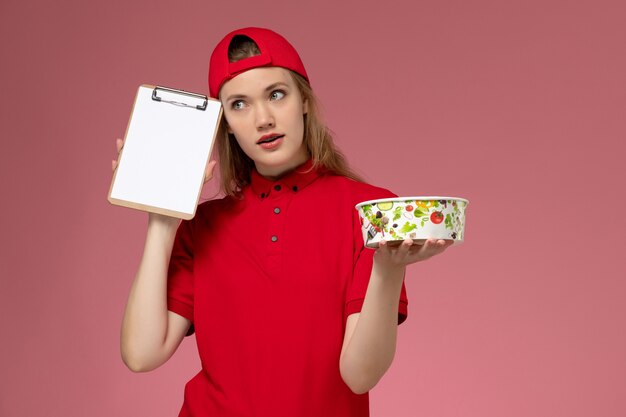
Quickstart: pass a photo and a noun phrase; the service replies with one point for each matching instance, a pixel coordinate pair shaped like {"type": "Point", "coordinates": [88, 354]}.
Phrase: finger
{"type": "Point", "coordinates": [113, 164]}
{"type": "Point", "coordinates": [436, 247]}
{"type": "Point", "coordinates": [405, 246]}
{"type": "Point", "coordinates": [426, 246]}
{"type": "Point", "coordinates": [442, 244]}
{"type": "Point", "coordinates": [208, 172]}
{"type": "Point", "coordinates": [428, 249]}
{"type": "Point", "coordinates": [383, 247]}
{"type": "Point", "coordinates": [119, 144]}
{"type": "Point", "coordinates": [445, 244]}
{"type": "Point", "coordinates": [436, 243]}
{"type": "Point", "coordinates": [417, 248]}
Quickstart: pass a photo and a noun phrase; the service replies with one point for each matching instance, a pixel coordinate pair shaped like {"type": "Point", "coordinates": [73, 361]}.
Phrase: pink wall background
{"type": "Point", "coordinates": [517, 106]}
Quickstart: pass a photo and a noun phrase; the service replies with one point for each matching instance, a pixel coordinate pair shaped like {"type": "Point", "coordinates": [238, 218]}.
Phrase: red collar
{"type": "Point", "coordinates": [294, 181]}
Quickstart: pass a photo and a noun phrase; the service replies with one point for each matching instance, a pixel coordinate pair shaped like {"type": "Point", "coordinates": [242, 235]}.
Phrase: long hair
{"type": "Point", "coordinates": [236, 167]}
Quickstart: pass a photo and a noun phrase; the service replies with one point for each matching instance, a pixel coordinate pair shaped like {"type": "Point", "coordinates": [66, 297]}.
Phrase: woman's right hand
{"type": "Point", "coordinates": [119, 144]}
{"type": "Point", "coordinates": [153, 217]}
{"type": "Point", "coordinates": [208, 171]}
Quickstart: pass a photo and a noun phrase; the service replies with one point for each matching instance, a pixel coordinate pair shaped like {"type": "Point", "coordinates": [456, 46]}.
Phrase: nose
{"type": "Point", "coordinates": [263, 117]}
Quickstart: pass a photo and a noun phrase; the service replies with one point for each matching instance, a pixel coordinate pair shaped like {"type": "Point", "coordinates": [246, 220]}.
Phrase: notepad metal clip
{"type": "Point", "coordinates": [202, 106]}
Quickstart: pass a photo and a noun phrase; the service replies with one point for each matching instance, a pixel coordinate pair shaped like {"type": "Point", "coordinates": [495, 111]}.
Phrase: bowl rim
{"type": "Point", "coordinates": [394, 199]}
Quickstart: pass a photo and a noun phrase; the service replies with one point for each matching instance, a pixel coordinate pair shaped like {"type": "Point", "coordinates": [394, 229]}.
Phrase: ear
{"type": "Point", "coordinates": [305, 106]}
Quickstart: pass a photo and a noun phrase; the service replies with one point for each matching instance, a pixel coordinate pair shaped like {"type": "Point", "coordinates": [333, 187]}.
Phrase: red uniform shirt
{"type": "Point", "coordinates": [268, 281]}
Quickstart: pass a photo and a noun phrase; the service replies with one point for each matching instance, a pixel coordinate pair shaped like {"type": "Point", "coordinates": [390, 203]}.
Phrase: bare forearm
{"type": "Point", "coordinates": [145, 323]}
{"type": "Point", "coordinates": [370, 339]}
{"type": "Point", "coordinates": [371, 348]}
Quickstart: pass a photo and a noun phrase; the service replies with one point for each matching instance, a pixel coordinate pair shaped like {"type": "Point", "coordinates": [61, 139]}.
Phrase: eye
{"type": "Point", "coordinates": [237, 105]}
{"type": "Point", "coordinates": [277, 95]}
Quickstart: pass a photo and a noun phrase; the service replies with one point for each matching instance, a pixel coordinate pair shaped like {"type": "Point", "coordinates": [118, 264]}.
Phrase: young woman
{"type": "Point", "coordinates": [292, 315]}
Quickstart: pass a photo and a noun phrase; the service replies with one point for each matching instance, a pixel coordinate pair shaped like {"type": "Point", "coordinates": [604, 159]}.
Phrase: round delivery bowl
{"type": "Point", "coordinates": [418, 218]}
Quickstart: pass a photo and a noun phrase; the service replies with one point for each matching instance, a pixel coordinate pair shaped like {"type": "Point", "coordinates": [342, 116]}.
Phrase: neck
{"type": "Point", "coordinates": [274, 173]}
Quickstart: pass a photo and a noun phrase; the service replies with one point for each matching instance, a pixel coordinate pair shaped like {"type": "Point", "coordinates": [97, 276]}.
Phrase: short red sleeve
{"type": "Point", "coordinates": [180, 273]}
{"type": "Point", "coordinates": [363, 261]}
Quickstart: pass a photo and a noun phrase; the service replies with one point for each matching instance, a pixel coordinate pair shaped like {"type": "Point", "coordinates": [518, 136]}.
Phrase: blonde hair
{"type": "Point", "coordinates": [236, 167]}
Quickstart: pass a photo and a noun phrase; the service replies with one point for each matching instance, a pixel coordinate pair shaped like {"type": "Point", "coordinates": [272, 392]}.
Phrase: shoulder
{"type": "Point", "coordinates": [217, 204]}
{"type": "Point", "coordinates": [340, 186]}
{"type": "Point", "coordinates": [215, 208]}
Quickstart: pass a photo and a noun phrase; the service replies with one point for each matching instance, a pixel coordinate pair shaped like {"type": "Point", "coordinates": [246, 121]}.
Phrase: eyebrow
{"type": "Point", "coordinates": [267, 89]}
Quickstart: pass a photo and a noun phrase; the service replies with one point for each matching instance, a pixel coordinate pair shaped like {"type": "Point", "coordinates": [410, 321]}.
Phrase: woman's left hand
{"type": "Point", "coordinates": [409, 252]}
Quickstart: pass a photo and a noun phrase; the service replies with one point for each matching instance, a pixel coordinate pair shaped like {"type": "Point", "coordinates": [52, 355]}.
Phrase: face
{"type": "Point", "coordinates": [265, 111]}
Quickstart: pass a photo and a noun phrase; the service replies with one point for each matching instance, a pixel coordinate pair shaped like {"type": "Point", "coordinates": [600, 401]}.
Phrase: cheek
{"type": "Point", "coordinates": [236, 125]}
{"type": "Point", "coordinates": [300, 124]}
{"type": "Point", "coordinates": [297, 119]}
{"type": "Point", "coordinates": [226, 121]}
{"type": "Point", "coordinates": [244, 146]}
{"type": "Point", "coordinates": [233, 127]}
{"type": "Point", "coordinates": [240, 139]}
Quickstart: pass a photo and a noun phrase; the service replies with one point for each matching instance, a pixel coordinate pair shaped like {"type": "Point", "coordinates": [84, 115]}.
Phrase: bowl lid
{"type": "Point", "coordinates": [403, 199]}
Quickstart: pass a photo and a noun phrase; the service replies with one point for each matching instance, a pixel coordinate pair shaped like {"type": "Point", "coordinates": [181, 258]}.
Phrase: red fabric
{"type": "Point", "coordinates": [275, 50]}
{"type": "Point", "coordinates": [270, 316]}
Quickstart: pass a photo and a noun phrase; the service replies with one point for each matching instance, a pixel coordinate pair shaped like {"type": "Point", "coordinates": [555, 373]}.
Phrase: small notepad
{"type": "Point", "coordinates": [167, 145]}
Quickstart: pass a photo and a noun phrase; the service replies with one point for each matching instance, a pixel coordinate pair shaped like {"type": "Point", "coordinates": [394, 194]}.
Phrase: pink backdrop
{"type": "Point", "coordinates": [517, 106]}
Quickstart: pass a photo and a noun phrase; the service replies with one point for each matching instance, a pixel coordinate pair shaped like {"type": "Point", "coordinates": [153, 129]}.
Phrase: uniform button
{"type": "Point", "coordinates": [295, 188]}
{"type": "Point", "coordinates": [276, 210]}
{"type": "Point", "coordinates": [262, 195]}
{"type": "Point", "coordinates": [274, 238]}
{"type": "Point", "coordinates": [277, 187]}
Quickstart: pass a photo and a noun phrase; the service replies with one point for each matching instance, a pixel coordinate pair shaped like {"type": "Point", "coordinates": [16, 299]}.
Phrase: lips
{"type": "Point", "coordinates": [269, 138]}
